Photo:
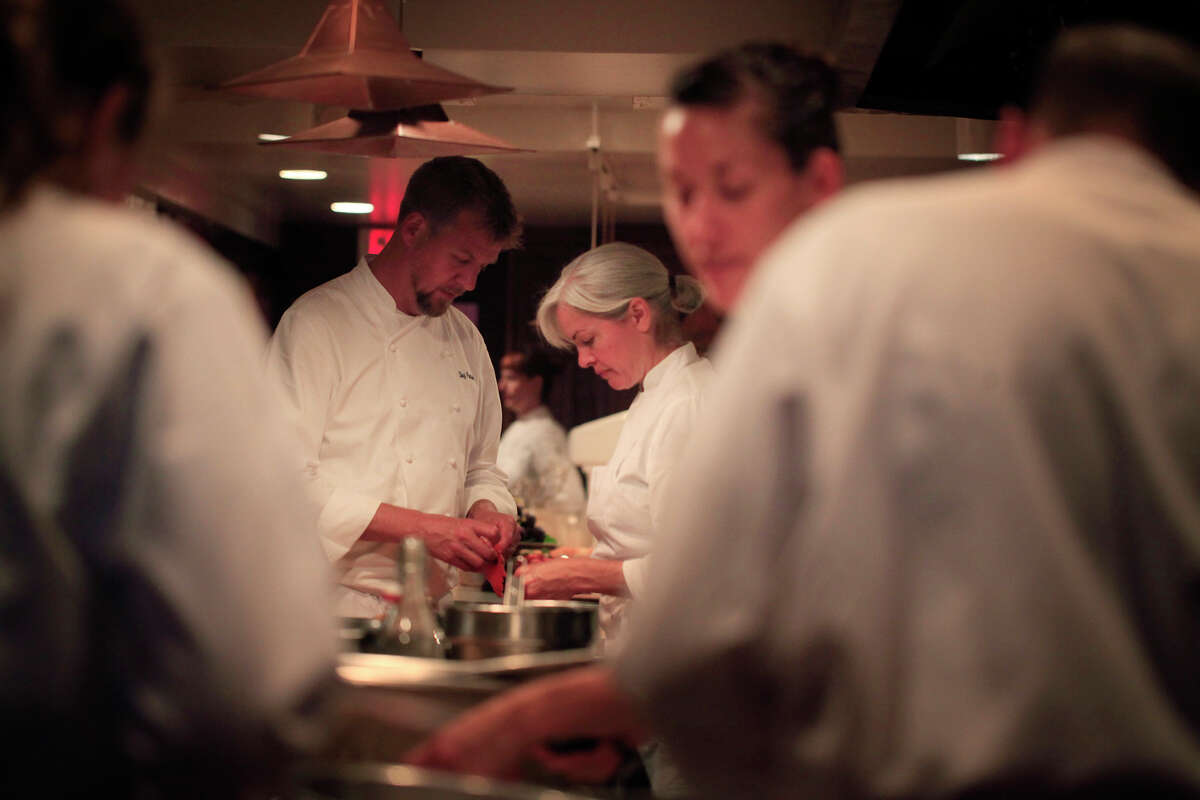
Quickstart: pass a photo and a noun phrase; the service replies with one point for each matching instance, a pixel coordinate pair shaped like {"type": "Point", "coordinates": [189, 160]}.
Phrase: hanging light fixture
{"type": "Point", "coordinates": [424, 132]}
{"type": "Point", "coordinates": [358, 58]}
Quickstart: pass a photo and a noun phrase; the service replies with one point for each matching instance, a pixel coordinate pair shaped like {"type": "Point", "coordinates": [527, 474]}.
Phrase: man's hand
{"type": "Point", "coordinates": [465, 543]}
{"type": "Point", "coordinates": [509, 533]}
{"type": "Point", "coordinates": [468, 544]}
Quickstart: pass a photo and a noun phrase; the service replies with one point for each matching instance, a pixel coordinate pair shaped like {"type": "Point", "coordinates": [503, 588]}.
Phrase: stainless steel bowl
{"type": "Point", "coordinates": [488, 630]}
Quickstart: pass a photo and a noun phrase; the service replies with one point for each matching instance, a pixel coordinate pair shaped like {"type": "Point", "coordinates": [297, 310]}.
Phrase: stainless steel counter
{"type": "Point", "coordinates": [389, 704]}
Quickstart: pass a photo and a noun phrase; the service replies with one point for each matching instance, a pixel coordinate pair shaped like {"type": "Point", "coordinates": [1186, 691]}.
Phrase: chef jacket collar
{"type": "Point", "coordinates": [680, 358]}
{"type": "Point", "coordinates": [378, 303]}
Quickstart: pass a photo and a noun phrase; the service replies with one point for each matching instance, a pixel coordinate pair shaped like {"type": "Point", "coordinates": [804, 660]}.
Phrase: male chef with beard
{"type": "Point", "coordinates": [393, 394]}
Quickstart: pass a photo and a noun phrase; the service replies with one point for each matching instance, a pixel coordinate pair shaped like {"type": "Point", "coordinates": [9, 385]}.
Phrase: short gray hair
{"type": "Point", "coordinates": [605, 279]}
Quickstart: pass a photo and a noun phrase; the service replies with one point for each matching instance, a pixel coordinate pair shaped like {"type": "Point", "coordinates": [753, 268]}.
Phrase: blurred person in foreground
{"type": "Point", "coordinates": [393, 395]}
{"type": "Point", "coordinates": [165, 614]}
{"type": "Point", "coordinates": [969, 503]}
{"type": "Point", "coordinates": [533, 448]}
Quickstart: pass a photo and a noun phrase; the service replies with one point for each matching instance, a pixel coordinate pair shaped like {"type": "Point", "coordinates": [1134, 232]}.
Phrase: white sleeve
{"type": "Point", "coordinates": [226, 589]}
{"type": "Point", "coordinates": [484, 480]}
{"type": "Point", "coordinates": [301, 367]}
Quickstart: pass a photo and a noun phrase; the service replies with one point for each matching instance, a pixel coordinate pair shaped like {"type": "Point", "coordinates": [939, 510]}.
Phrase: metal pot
{"type": "Point", "coordinates": [488, 630]}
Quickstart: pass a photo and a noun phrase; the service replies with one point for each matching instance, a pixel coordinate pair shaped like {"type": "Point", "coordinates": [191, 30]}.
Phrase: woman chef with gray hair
{"type": "Point", "coordinates": [621, 311]}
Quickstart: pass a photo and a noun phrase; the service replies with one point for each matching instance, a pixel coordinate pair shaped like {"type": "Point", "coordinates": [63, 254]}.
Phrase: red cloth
{"type": "Point", "coordinates": [494, 572]}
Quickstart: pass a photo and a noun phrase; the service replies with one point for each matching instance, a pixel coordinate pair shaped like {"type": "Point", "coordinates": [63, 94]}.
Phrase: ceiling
{"type": "Point", "coordinates": [577, 67]}
{"type": "Point", "coordinates": [970, 57]}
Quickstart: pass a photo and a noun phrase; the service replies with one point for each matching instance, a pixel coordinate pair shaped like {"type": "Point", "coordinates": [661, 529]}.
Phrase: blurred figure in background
{"type": "Point", "coordinates": [967, 504]}
{"type": "Point", "coordinates": [533, 448]}
{"type": "Point", "coordinates": [165, 615]}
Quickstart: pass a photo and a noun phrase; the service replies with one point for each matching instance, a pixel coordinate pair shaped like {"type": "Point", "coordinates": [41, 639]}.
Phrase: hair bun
{"type": "Point", "coordinates": [687, 294]}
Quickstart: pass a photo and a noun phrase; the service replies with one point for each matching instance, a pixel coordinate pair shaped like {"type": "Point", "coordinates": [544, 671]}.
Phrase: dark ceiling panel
{"type": "Point", "coordinates": [968, 59]}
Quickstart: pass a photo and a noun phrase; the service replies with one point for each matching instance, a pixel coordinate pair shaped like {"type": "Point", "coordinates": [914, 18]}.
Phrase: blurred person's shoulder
{"type": "Point", "coordinates": [869, 216]}
{"type": "Point", "coordinates": [106, 253]}
{"type": "Point", "coordinates": [879, 236]}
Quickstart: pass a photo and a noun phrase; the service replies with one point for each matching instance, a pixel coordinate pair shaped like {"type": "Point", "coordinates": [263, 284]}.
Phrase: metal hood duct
{"type": "Point", "coordinates": [423, 132]}
{"type": "Point", "coordinates": [358, 58]}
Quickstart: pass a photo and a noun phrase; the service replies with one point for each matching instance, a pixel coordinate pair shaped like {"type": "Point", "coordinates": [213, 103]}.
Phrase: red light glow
{"type": "Point", "coordinates": [376, 239]}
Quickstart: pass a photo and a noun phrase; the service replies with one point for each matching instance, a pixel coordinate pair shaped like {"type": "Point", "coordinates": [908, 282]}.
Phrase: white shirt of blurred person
{"type": "Point", "coordinates": [533, 448]}
{"type": "Point", "coordinates": [167, 613]}
{"type": "Point", "coordinates": [393, 393]}
{"type": "Point", "coordinates": [968, 504]}
{"type": "Point", "coordinates": [969, 501]}
{"type": "Point", "coordinates": [621, 310]}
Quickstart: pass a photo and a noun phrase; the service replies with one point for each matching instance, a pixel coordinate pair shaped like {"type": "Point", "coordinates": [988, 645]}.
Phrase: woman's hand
{"type": "Point", "coordinates": [564, 578]}
{"type": "Point", "coordinates": [570, 552]}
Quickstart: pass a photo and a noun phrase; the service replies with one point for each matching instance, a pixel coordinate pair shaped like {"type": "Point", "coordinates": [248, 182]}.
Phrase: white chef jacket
{"type": "Point", "coordinates": [627, 496]}
{"type": "Point", "coordinates": [533, 454]}
{"type": "Point", "coordinates": [166, 599]}
{"type": "Point", "coordinates": [943, 525]}
{"type": "Point", "coordinates": [390, 408]}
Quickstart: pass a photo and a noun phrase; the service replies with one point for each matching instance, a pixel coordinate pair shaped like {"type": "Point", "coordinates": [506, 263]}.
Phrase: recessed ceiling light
{"type": "Point", "coordinates": [352, 208]}
{"type": "Point", "coordinates": [978, 156]}
{"type": "Point", "coordinates": [271, 137]}
{"type": "Point", "coordinates": [303, 174]}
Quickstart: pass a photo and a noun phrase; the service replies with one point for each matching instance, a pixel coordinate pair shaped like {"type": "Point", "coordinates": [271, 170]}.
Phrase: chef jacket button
{"type": "Point", "coordinates": [456, 407]}
{"type": "Point", "coordinates": [403, 402]}
{"type": "Point", "coordinates": [454, 462]}
{"type": "Point", "coordinates": [408, 460]}
{"type": "Point", "coordinates": [393, 347]}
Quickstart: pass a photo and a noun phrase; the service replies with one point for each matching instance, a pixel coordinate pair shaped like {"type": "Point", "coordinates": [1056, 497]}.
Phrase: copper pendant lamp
{"type": "Point", "coordinates": [423, 132]}
{"type": "Point", "coordinates": [358, 58]}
